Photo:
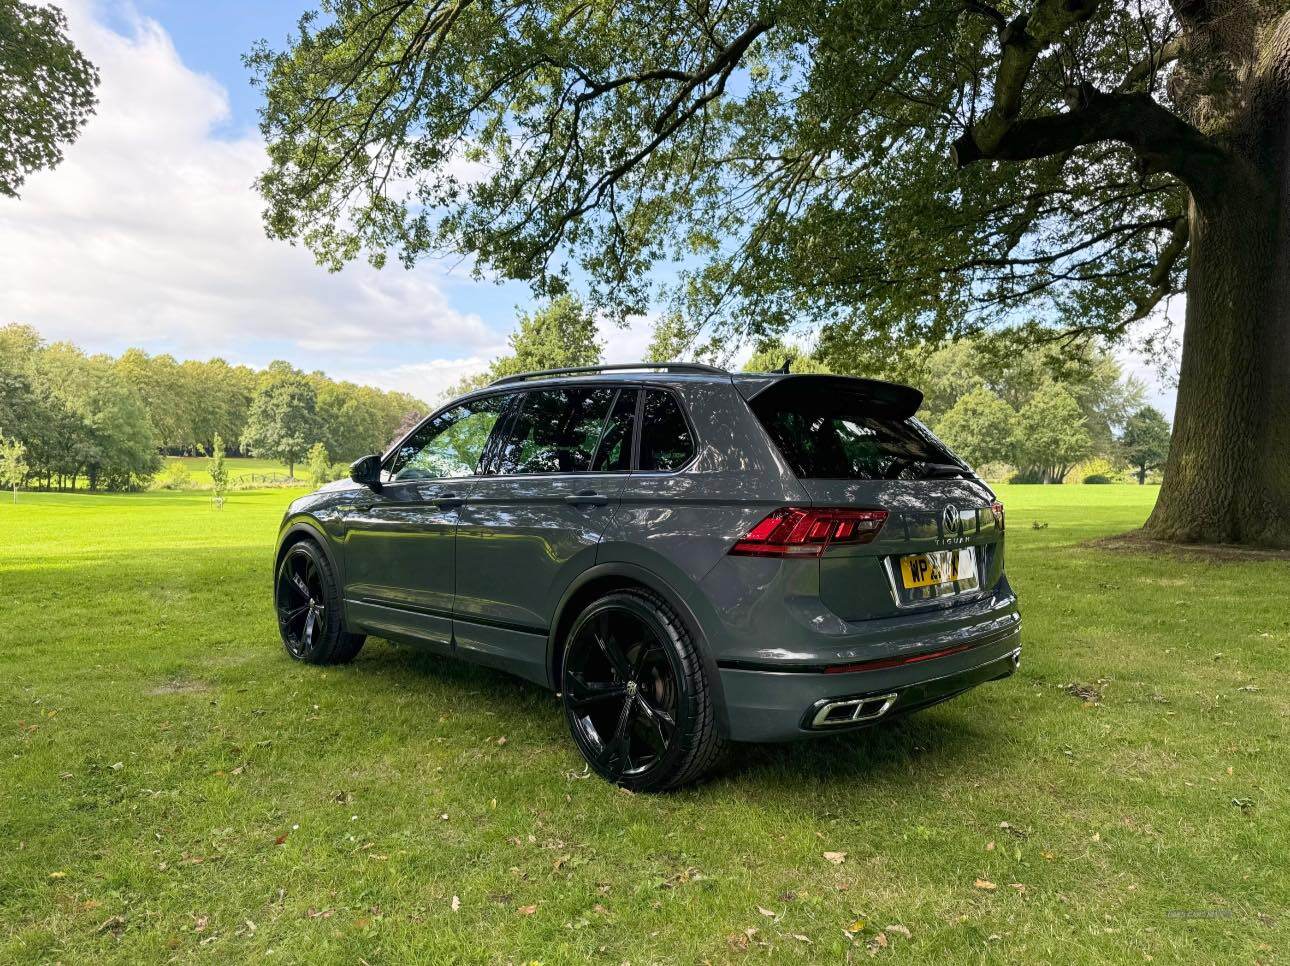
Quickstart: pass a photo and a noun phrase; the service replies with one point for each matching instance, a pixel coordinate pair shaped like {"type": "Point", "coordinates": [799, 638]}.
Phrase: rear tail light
{"type": "Point", "coordinates": [800, 532]}
{"type": "Point", "coordinates": [997, 509]}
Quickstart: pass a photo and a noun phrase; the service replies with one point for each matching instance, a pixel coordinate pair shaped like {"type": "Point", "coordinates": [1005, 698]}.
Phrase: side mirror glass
{"type": "Point", "coordinates": [367, 471]}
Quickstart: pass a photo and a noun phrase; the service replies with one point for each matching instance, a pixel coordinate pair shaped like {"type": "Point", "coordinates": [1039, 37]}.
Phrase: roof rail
{"type": "Point", "coordinates": [616, 367]}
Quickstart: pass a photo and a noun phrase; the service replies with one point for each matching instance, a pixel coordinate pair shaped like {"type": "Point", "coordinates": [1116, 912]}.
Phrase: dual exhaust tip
{"type": "Point", "coordinates": [846, 711]}
{"type": "Point", "coordinates": [851, 710]}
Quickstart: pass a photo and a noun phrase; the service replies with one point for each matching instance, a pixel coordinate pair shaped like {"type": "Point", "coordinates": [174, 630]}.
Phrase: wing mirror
{"type": "Point", "coordinates": [367, 471]}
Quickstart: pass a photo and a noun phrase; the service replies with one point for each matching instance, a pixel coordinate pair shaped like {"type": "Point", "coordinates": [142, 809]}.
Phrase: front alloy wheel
{"type": "Point", "coordinates": [308, 603]}
{"type": "Point", "coordinates": [301, 611]}
{"type": "Point", "coordinates": [635, 694]}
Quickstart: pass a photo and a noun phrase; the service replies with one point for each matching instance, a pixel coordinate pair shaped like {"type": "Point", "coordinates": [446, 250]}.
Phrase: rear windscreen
{"type": "Point", "coordinates": [845, 436]}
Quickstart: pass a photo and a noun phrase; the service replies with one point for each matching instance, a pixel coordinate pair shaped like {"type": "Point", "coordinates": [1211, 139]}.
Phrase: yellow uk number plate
{"type": "Point", "coordinates": [938, 567]}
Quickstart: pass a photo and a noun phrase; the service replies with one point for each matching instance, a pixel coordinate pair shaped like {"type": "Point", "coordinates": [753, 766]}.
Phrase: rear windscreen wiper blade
{"type": "Point", "coordinates": [937, 470]}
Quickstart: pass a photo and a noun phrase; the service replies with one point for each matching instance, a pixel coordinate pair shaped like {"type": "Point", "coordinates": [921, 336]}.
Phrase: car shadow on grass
{"type": "Point", "coordinates": [921, 746]}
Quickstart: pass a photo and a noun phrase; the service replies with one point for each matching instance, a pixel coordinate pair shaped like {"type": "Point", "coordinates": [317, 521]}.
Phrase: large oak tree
{"type": "Point", "coordinates": [893, 170]}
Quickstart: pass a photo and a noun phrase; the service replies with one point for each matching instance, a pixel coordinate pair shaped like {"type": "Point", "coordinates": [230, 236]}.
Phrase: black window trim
{"type": "Point", "coordinates": [388, 455]}
{"type": "Point", "coordinates": [604, 428]}
{"type": "Point", "coordinates": [489, 468]}
{"type": "Point", "coordinates": [640, 421]}
{"type": "Point", "coordinates": [486, 467]}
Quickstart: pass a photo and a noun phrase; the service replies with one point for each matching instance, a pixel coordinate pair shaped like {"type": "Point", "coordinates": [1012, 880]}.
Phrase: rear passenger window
{"type": "Point", "coordinates": [555, 431]}
{"type": "Point", "coordinates": [666, 442]}
{"type": "Point", "coordinates": [615, 453]}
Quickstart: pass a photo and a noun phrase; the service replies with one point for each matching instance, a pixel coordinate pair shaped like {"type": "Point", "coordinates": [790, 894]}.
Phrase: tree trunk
{"type": "Point", "coordinates": [1227, 479]}
{"type": "Point", "coordinates": [1142, 476]}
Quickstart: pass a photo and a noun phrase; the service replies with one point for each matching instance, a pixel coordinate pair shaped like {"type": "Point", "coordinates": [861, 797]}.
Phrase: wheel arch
{"type": "Point", "coordinates": [307, 528]}
{"type": "Point", "coordinates": [605, 578]}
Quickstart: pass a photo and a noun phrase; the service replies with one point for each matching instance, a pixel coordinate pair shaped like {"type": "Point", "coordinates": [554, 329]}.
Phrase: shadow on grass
{"type": "Point", "coordinates": [219, 587]}
{"type": "Point", "coordinates": [926, 742]}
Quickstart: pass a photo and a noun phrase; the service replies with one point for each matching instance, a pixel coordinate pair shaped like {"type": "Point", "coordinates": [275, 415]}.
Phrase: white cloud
{"type": "Point", "coordinates": [149, 233]}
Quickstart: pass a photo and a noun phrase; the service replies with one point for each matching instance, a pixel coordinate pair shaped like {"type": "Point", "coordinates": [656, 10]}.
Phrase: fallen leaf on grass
{"type": "Point", "coordinates": [856, 925]}
{"type": "Point", "coordinates": [456, 904]}
{"type": "Point", "coordinates": [113, 924]}
{"type": "Point", "coordinates": [985, 884]}
{"type": "Point", "coordinates": [900, 930]}
{"type": "Point", "coordinates": [200, 923]}
{"type": "Point", "coordinates": [802, 939]}
{"type": "Point", "coordinates": [837, 858]}
{"type": "Point", "coordinates": [58, 875]}
{"type": "Point", "coordinates": [766, 912]}
{"type": "Point", "coordinates": [527, 910]}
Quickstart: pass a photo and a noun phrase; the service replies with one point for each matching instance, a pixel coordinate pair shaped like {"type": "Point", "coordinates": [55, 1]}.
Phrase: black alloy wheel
{"type": "Point", "coordinates": [308, 606]}
{"type": "Point", "coordinates": [635, 696]}
{"type": "Point", "coordinates": [301, 611]}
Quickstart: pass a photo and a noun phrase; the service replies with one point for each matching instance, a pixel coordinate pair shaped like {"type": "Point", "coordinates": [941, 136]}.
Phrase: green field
{"type": "Point", "coordinates": [240, 468]}
{"type": "Point", "coordinates": [175, 788]}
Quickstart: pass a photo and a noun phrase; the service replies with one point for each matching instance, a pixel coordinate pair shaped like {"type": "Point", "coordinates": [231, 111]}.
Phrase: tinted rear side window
{"type": "Point", "coordinates": [615, 453]}
{"type": "Point", "coordinates": [666, 441]}
{"type": "Point", "coordinates": [556, 431]}
{"type": "Point", "coordinates": [843, 436]}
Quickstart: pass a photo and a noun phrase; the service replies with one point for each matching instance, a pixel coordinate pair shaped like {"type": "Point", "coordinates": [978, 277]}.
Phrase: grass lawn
{"type": "Point", "coordinates": [174, 787]}
{"type": "Point", "coordinates": [239, 467]}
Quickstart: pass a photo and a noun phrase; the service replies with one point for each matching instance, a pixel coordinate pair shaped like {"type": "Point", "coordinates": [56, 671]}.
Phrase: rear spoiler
{"type": "Point", "coordinates": [900, 401]}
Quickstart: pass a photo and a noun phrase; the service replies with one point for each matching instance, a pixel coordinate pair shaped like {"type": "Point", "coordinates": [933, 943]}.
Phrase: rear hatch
{"type": "Point", "coordinates": [855, 444]}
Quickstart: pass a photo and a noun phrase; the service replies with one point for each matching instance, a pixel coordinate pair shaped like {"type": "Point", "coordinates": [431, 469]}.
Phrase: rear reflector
{"type": "Point", "coordinates": [808, 532]}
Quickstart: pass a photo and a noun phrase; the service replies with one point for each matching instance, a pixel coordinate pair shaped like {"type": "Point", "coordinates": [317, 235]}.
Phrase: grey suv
{"type": "Point", "coordinates": [688, 556]}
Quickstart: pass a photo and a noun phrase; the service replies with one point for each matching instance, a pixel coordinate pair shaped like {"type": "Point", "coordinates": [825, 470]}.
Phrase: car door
{"type": "Point", "coordinates": [399, 540]}
{"type": "Point", "coordinates": [532, 524]}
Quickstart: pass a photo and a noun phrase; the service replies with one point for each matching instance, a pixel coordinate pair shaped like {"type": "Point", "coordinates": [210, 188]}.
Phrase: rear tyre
{"type": "Point", "coordinates": [310, 614]}
{"type": "Point", "coordinates": [636, 696]}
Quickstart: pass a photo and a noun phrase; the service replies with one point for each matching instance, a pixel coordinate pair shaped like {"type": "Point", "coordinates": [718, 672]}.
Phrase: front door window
{"type": "Point", "coordinates": [449, 446]}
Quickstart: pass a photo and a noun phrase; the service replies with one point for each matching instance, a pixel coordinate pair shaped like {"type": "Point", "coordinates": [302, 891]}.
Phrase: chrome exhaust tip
{"type": "Point", "coordinates": [851, 710]}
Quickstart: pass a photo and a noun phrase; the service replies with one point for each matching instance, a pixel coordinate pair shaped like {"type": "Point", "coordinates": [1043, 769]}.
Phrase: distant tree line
{"type": "Point", "coordinates": [1033, 411]}
{"type": "Point", "coordinates": [107, 422]}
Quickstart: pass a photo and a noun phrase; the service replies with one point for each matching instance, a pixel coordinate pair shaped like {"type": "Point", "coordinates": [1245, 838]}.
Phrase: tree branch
{"type": "Point", "coordinates": [1150, 65]}
{"type": "Point", "coordinates": [987, 10]}
{"type": "Point", "coordinates": [1023, 40]}
{"type": "Point", "coordinates": [1161, 140]}
{"type": "Point", "coordinates": [1159, 279]}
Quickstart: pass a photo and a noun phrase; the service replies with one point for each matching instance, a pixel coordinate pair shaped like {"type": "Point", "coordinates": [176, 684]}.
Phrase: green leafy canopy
{"type": "Point", "coordinates": [794, 162]}
{"type": "Point", "coordinates": [46, 90]}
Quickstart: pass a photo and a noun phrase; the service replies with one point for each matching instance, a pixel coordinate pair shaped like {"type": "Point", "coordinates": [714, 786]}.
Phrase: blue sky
{"type": "Point", "coordinates": [149, 233]}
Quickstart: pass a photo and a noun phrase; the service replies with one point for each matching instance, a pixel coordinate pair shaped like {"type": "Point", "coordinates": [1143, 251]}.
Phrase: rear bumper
{"type": "Point", "coordinates": [769, 705]}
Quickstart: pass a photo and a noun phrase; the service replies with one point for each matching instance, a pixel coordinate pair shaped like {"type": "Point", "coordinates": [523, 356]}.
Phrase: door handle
{"type": "Point", "coordinates": [586, 498]}
{"type": "Point", "coordinates": [447, 501]}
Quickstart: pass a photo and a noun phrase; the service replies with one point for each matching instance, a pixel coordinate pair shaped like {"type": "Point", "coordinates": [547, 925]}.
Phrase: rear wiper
{"type": "Point", "coordinates": [944, 471]}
